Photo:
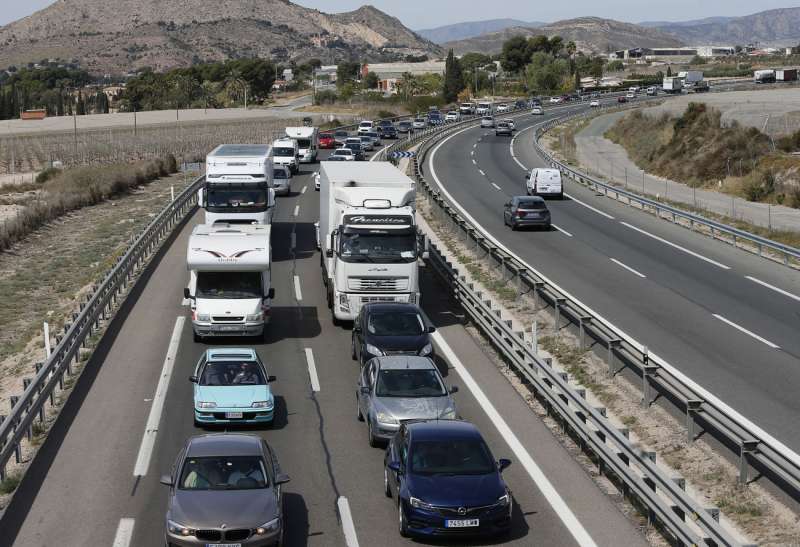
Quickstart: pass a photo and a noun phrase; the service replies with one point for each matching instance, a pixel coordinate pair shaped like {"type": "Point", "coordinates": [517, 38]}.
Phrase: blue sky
{"type": "Point", "coordinates": [419, 14]}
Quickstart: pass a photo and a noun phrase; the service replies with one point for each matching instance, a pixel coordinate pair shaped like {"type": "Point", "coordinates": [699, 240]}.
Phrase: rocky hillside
{"type": "Point", "coordinates": [777, 27]}
{"type": "Point", "coordinates": [470, 29]}
{"type": "Point", "coordinates": [123, 35]}
{"type": "Point", "coordinates": [590, 34]}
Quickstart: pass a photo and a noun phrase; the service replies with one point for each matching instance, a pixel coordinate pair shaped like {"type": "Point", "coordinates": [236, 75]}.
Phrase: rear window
{"type": "Point", "coordinates": [528, 204]}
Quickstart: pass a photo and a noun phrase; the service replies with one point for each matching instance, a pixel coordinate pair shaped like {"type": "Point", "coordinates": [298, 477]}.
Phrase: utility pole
{"type": "Point", "coordinates": [135, 129]}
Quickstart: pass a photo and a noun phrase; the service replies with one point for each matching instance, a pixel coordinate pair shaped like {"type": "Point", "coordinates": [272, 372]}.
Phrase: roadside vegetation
{"type": "Point", "coordinates": [696, 148]}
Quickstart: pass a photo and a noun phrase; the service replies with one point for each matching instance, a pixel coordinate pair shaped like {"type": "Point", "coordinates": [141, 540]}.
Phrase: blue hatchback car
{"type": "Point", "coordinates": [231, 386]}
{"type": "Point", "coordinates": [446, 481]}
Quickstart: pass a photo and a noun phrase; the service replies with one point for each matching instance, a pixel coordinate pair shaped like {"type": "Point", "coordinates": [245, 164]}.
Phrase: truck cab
{"type": "Point", "coordinates": [238, 185]}
{"type": "Point", "coordinates": [286, 152]}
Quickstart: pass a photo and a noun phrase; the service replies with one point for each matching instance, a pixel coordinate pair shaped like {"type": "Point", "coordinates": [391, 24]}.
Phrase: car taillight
{"type": "Point", "coordinates": [520, 214]}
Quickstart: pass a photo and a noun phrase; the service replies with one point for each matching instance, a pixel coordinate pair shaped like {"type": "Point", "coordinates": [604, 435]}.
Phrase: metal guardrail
{"type": "Point", "coordinates": [736, 235]}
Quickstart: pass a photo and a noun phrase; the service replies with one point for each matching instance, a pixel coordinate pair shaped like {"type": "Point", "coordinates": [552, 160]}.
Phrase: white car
{"type": "Point", "coordinates": [510, 122]}
{"type": "Point", "coordinates": [367, 143]}
{"type": "Point", "coordinates": [594, 103]}
{"type": "Point", "coordinates": [282, 180]}
{"type": "Point", "coordinates": [365, 126]}
{"type": "Point", "coordinates": [316, 181]}
{"type": "Point", "coordinates": [346, 153]}
{"type": "Point", "coordinates": [555, 100]}
{"type": "Point", "coordinates": [502, 107]}
{"type": "Point", "coordinates": [419, 123]}
{"type": "Point", "coordinates": [630, 95]}
{"type": "Point", "coordinates": [537, 111]}
{"type": "Point", "coordinates": [487, 121]}
{"type": "Point", "coordinates": [452, 116]}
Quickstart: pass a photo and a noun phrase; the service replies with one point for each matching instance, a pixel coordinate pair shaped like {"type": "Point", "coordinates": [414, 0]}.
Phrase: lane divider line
{"type": "Point", "coordinates": [474, 162]}
{"type": "Point", "coordinates": [496, 186]}
{"type": "Point", "coordinates": [773, 287]}
{"type": "Point", "coordinates": [312, 369]}
{"type": "Point", "coordinates": [676, 246]}
{"type": "Point", "coordinates": [349, 529]}
{"type": "Point", "coordinates": [562, 230]}
{"type": "Point", "coordinates": [481, 172]}
{"type": "Point", "coordinates": [536, 474]}
{"type": "Point", "coordinates": [634, 272]}
{"type": "Point", "coordinates": [747, 332]}
{"type": "Point", "coordinates": [303, 190]}
{"type": "Point", "coordinates": [296, 211]}
{"type": "Point", "coordinates": [598, 211]}
{"type": "Point", "coordinates": [124, 533]}
{"type": "Point", "coordinates": [156, 409]}
{"type": "Point", "coordinates": [297, 292]}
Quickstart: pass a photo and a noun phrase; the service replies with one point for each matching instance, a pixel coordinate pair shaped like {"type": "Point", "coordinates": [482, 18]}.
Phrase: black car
{"type": "Point", "coordinates": [404, 126]}
{"type": "Point", "coordinates": [520, 104]}
{"type": "Point", "coordinates": [524, 211]}
{"type": "Point", "coordinates": [357, 150]}
{"type": "Point", "coordinates": [391, 328]}
{"type": "Point", "coordinates": [388, 132]}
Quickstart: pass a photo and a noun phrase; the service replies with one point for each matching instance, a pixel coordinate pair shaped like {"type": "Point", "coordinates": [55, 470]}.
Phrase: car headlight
{"type": "Point", "coordinates": [262, 404]}
{"type": "Point", "coordinates": [268, 527]}
{"type": "Point", "coordinates": [386, 418]}
{"type": "Point", "coordinates": [255, 316]}
{"type": "Point", "coordinates": [206, 404]}
{"type": "Point", "coordinates": [179, 529]}
{"type": "Point", "coordinates": [448, 413]}
{"type": "Point", "coordinates": [426, 350]}
{"type": "Point", "coordinates": [202, 317]}
{"type": "Point", "coordinates": [419, 504]}
{"type": "Point", "coordinates": [504, 500]}
{"type": "Point", "coordinates": [372, 350]}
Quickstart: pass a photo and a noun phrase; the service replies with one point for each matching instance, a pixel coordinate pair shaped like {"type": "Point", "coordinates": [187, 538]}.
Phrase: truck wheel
{"type": "Point", "coordinates": [330, 299]}
{"type": "Point", "coordinates": [335, 320]}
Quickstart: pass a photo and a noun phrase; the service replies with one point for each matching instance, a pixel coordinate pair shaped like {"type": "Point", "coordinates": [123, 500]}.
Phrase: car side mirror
{"type": "Point", "coordinates": [394, 466]}
{"type": "Point", "coordinates": [365, 390]}
{"type": "Point", "coordinates": [271, 293]}
{"type": "Point", "coordinates": [283, 478]}
{"type": "Point", "coordinates": [502, 464]}
{"type": "Point", "coordinates": [193, 379]}
{"type": "Point", "coordinates": [431, 328]}
{"type": "Point", "coordinates": [166, 480]}
{"type": "Point", "coordinates": [271, 378]}
{"type": "Point", "coordinates": [186, 293]}
{"type": "Point", "coordinates": [453, 389]}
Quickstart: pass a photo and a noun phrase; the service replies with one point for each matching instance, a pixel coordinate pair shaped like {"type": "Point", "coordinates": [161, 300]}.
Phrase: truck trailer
{"type": "Point", "coordinates": [238, 185]}
{"type": "Point", "coordinates": [230, 286]}
{"type": "Point", "coordinates": [307, 139]}
{"type": "Point", "coordinates": [367, 236]}
{"type": "Point", "coordinates": [786, 75]}
{"type": "Point", "coordinates": [764, 76]}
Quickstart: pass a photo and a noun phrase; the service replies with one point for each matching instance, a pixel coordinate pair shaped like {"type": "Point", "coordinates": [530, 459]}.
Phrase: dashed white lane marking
{"type": "Point", "coordinates": [747, 332]}
{"type": "Point", "coordinates": [474, 145]}
{"type": "Point", "coordinates": [312, 370]}
{"type": "Point", "coordinates": [598, 211]}
{"type": "Point", "coordinates": [297, 292]}
{"type": "Point", "coordinates": [296, 211]}
{"type": "Point", "coordinates": [676, 246]}
{"type": "Point", "coordinates": [303, 190]}
{"type": "Point", "coordinates": [472, 152]}
{"type": "Point", "coordinates": [773, 287]}
{"type": "Point", "coordinates": [562, 230]}
{"type": "Point", "coordinates": [474, 162]}
{"type": "Point", "coordinates": [544, 485]}
{"type": "Point", "coordinates": [185, 302]}
{"type": "Point", "coordinates": [349, 529]}
{"type": "Point", "coordinates": [618, 263]}
{"type": "Point", "coordinates": [481, 172]}
{"type": "Point", "coordinates": [156, 409]}
{"type": "Point", "coordinates": [124, 533]}
{"type": "Point", "coordinates": [496, 186]}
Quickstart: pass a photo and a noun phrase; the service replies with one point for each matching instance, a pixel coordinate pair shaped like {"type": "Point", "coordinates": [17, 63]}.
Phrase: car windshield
{"type": "Point", "coordinates": [232, 373]}
{"type": "Point", "coordinates": [228, 285]}
{"type": "Point", "coordinates": [394, 323]}
{"type": "Point", "coordinates": [223, 473]}
{"type": "Point", "coordinates": [528, 205]}
{"type": "Point", "coordinates": [344, 152]}
{"type": "Point", "coordinates": [451, 457]}
{"type": "Point", "coordinates": [378, 245]}
{"type": "Point", "coordinates": [342, 134]}
{"type": "Point", "coordinates": [236, 197]}
{"type": "Point", "coordinates": [353, 146]}
{"type": "Point", "coordinates": [284, 151]}
{"type": "Point", "coordinates": [409, 383]}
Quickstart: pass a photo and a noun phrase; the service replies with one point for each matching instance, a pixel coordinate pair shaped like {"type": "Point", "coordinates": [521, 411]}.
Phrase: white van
{"type": "Point", "coordinates": [365, 127]}
{"type": "Point", "coordinates": [285, 152]}
{"type": "Point", "coordinates": [544, 182]}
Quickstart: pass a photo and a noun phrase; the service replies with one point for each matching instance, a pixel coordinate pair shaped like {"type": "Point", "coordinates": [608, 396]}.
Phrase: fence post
{"type": "Point", "coordinates": [692, 409]}
{"type": "Point", "coordinates": [613, 344]}
{"type": "Point", "coordinates": [746, 448]}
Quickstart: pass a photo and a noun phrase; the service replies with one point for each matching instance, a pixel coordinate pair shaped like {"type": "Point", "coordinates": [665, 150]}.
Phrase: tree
{"type": "Point", "coordinates": [596, 67]}
{"type": "Point", "coordinates": [539, 43]}
{"type": "Point", "coordinates": [571, 48]}
{"type": "Point", "coordinates": [556, 45]}
{"type": "Point", "coordinates": [346, 72]}
{"type": "Point", "coordinates": [515, 54]}
{"type": "Point", "coordinates": [471, 61]}
{"type": "Point", "coordinates": [615, 66]}
{"type": "Point", "coordinates": [370, 81]}
{"type": "Point", "coordinates": [453, 78]}
{"type": "Point", "coordinates": [577, 80]}
{"type": "Point", "coordinates": [669, 71]}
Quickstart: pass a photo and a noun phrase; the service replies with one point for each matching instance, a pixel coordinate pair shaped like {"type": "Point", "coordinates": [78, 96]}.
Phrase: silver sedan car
{"type": "Point", "coordinates": [225, 489]}
{"type": "Point", "coordinates": [282, 180]}
{"type": "Point", "coordinates": [395, 388]}
{"type": "Point", "coordinates": [487, 121]}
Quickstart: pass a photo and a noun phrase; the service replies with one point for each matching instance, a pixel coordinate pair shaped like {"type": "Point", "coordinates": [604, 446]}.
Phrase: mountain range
{"type": "Point", "coordinates": [777, 27]}
{"type": "Point", "coordinates": [122, 35]}
{"type": "Point", "coordinates": [470, 29]}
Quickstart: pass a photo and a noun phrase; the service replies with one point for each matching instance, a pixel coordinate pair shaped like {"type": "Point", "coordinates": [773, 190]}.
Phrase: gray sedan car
{"type": "Point", "coordinates": [225, 489]}
{"type": "Point", "coordinates": [392, 389]}
{"type": "Point", "coordinates": [282, 180]}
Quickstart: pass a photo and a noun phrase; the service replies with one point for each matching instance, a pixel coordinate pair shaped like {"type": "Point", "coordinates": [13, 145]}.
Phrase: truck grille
{"type": "Point", "coordinates": [368, 299]}
{"type": "Point", "coordinates": [377, 284]}
{"type": "Point", "coordinates": [227, 319]}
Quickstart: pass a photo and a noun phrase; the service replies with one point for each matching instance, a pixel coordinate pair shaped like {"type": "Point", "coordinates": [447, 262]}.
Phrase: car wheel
{"type": "Point", "coordinates": [514, 227]}
{"type": "Point", "coordinates": [402, 519]}
{"type": "Point", "coordinates": [373, 440]}
{"type": "Point", "coordinates": [359, 416]}
{"type": "Point", "coordinates": [335, 320]}
{"type": "Point", "coordinates": [330, 299]}
{"type": "Point", "coordinates": [353, 353]}
{"type": "Point", "coordinates": [197, 338]}
{"type": "Point", "coordinates": [197, 424]}
{"type": "Point", "coordinates": [386, 490]}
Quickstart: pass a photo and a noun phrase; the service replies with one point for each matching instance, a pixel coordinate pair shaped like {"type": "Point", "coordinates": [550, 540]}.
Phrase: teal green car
{"type": "Point", "coordinates": [231, 386]}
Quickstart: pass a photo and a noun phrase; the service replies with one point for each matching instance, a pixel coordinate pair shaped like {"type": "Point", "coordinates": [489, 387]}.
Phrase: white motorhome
{"type": "Point", "coordinates": [367, 234]}
{"type": "Point", "coordinates": [544, 182]}
{"type": "Point", "coordinates": [238, 184]}
{"type": "Point", "coordinates": [307, 139]}
{"type": "Point", "coordinates": [285, 152]}
{"type": "Point", "coordinates": [230, 282]}
{"type": "Point", "coordinates": [484, 109]}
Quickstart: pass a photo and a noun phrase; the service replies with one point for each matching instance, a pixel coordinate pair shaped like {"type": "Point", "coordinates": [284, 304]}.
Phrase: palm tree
{"type": "Point", "coordinates": [235, 86]}
{"type": "Point", "coordinates": [571, 48]}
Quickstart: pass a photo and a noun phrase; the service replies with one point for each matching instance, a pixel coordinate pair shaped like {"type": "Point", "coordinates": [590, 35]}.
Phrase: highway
{"type": "Point", "coordinates": [96, 479]}
{"type": "Point", "coordinates": [724, 317]}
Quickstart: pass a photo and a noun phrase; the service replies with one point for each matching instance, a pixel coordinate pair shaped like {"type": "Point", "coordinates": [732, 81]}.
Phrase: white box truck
{"type": "Point", "coordinates": [307, 139]}
{"type": "Point", "coordinates": [285, 152]}
{"type": "Point", "coordinates": [230, 286]}
{"type": "Point", "coordinates": [238, 185]}
{"type": "Point", "coordinates": [367, 236]}
{"type": "Point", "coordinates": [484, 109]}
{"type": "Point", "coordinates": [672, 84]}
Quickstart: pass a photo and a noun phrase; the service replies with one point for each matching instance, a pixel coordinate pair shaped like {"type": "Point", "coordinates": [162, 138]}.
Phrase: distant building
{"type": "Point", "coordinates": [288, 75]}
{"type": "Point", "coordinates": [390, 73]}
{"type": "Point", "coordinates": [677, 54]}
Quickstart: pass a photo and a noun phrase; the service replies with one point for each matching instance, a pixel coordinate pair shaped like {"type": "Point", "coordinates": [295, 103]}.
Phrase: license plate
{"type": "Point", "coordinates": [233, 415]}
{"type": "Point", "coordinates": [229, 328]}
{"type": "Point", "coordinates": [223, 545]}
{"type": "Point", "coordinates": [466, 523]}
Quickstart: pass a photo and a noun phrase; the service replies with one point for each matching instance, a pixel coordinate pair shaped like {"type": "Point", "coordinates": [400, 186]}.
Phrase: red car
{"type": "Point", "coordinates": [326, 140]}
{"type": "Point", "coordinates": [622, 99]}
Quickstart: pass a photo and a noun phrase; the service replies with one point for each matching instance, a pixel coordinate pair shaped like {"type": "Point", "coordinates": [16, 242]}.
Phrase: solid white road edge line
{"type": "Point", "coordinates": [747, 332]}
{"type": "Point", "coordinates": [618, 263]}
{"type": "Point", "coordinates": [552, 496]}
{"type": "Point", "coordinates": [151, 429]}
{"type": "Point", "coordinates": [124, 533]}
{"type": "Point", "coordinates": [297, 292]}
{"type": "Point", "coordinates": [700, 390]}
{"type": "Point", "coordinates": [579, 202]}
{"type": "Point", "coordinates": [773, 287]}
{"type": "Point", "coordinates": [676, 246]}
{"type": "Point", "coordinates": [481, 172]}
{"type": "Point", "coordinates": [312, 370]}
{"type": "Point", "coordinates": [296, 211]}
{"type": "Point", "coordinates": [562, 230]}
{"type": "Point", "coordinates": [349, 529]}
{"type": "Point", "coordinates": [496, 186]}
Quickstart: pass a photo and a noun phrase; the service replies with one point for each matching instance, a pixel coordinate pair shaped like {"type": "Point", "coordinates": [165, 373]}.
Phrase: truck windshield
{"type": "Point", "coordinates": [284, 152]}
{"type": "Point", "coordinates": [232, 197]}
{"type": "Point", "coordinates": [302, 143]}
{"type": "Point", "coordinates": [377, 245]}
{"type": "Point", "coordinates": [229, 285]}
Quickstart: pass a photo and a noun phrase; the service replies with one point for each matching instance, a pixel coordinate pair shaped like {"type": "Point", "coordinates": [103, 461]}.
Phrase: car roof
{"type": "Point", "coordinates": [530, 199]}
{"type": "Point", "coordinates": [391, 306]}
{"type": "Point", "coordinates": [224, 444]}
{"type": "Point", "coordinates": [222, 354]}
{"type": "Point", "coordinates": [437, 430]}
{"type": "Point", "coordinates": [404, 362]}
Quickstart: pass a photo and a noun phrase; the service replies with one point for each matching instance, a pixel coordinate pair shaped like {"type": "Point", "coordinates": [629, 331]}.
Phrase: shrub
{"type": "Point", "coordinates": [386, 114]}
{"type": "Point", "coordinates": [47, 174]}
{"type": "Point", "coordinates": [325, 97]}
{"type": "Point", "coordinates": [759, 184]}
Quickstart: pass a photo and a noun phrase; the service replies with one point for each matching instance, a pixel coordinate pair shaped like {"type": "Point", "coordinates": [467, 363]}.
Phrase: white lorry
{"type": "Point", "coordinates": [367, 236]}
{"type": "Point", "coordinates": [307, 139]}
{"type": "Point", "coordinates": [484, 109]}
{"type": "Point", "coordinates": [229, 290]}
{"type": "Point", "coordinates": [238, 184]}
{"type": "Point", "coordinates": [466, 109]}
{"type": "Point", "coordinates": [285, 152]}
{"type": "Point", "coordinates": [764, 76]}
{"type": "Point", "coordinates": [672, 84]}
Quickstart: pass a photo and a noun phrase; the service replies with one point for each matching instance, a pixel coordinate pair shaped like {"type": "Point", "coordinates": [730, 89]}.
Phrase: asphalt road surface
{"type": "Point", "coordinates": [95, 481]}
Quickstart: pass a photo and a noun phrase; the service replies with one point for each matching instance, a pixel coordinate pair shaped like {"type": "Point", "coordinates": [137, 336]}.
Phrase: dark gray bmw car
{"type": "Point", "coordinates": [225, 489]}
